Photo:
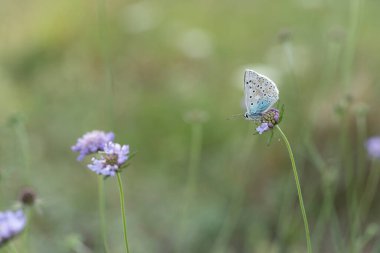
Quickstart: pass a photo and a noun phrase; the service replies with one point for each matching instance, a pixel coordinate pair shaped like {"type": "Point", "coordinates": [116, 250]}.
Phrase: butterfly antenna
{"type": "Point", "coordinates": [235, 116]}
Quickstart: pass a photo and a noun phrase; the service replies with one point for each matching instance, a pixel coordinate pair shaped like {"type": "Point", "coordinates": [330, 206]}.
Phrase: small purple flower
{"type": "Point", "coordinates": [268, 120]}
{"type": "Point", "coordinates": [92, 142]}
{"type": "Point", "coordinates": [373, 147]}
{"type": "Point", "coordinates": [262, 128]}
{"type": "Point", "coordinates": [111, 160]}
{"type": "Point", "coordinates": [12, 223]}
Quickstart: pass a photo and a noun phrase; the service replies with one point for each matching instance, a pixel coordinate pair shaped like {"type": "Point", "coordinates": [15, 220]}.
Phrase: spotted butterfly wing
{"type": "Point", "coordinates": [260, 93]}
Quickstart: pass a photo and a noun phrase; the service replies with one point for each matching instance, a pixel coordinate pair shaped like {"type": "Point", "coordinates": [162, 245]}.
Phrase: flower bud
{"type": "Point", "coordinates": [27, 197]}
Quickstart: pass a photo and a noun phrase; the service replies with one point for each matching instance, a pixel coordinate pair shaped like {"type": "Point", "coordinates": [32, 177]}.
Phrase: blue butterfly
{"type": "Point", "coordinates": [260, 93]}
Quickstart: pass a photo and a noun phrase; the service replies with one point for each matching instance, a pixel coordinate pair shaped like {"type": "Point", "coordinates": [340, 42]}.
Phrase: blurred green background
{"type": "Point", "coordinates": [166, 76]}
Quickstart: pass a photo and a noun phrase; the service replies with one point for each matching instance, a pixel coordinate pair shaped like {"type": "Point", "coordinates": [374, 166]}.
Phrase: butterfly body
{"type": "Point", "coordinates": [260, 94]}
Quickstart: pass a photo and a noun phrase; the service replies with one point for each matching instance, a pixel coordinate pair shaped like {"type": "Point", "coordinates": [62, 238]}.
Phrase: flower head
{"type": "Point", "coordinates": [92, 142]}
{"type": "Point", "coordinates": [268, 120]}
{"type": "Point", "coordinates": [11, 224]}
{"type": "Point", "coordinates": [373, 147]}
{"type": "Point", "coordinates": [111, 160]}
{"type": "Point", "coordinates": [271, 117]}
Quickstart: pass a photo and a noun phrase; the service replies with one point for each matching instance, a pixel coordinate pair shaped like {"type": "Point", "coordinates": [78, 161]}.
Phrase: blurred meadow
{"type": "Point", "coordinates": [166, 77]}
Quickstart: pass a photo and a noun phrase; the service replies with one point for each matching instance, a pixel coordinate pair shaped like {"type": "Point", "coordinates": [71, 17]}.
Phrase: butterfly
{"type": "Point", "coordinates": [260, 94]}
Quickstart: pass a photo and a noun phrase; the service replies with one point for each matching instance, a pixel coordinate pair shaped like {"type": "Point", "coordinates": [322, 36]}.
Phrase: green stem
{"type": "Point", "coordinates": [284, 223]}
{"type": "Point", "coordinates": [289, 53]}
{"type": "Point", "coordinates": [332, 62]}
{"type": "Point", "coordinates": [26, 233]}
{"type": "Point", "coordinates": [105, 45]}
{"type": "Point", "coordinates": [361, 161]}
{"type": "Point", "coordinates": [307, 232]}
{"type": "Point", "coordinates": [351, 42]}
{"type": "Point", "coordinates": [12, 248]}
{"type": "Point", "coordinates": [22, 136]}
{"type": "Point", "coordinates": [192, 176]}
{"type": "Point", "coordinates": [102, 213]}
{"type": "Point", "coordinates": [235, 210]}
{"type": "Point", "coordinates": [347, 167]}
{"type": "Point", "coordinates": [327, 213]}
{"type": "Point", "coordinates": [195, 154]}
{"type": "Point", "coordinates": [362, 135]}
{"type": "Point", "coordinates": [123, 211]}
{"type": "Point", "coordinates": [370, 191]}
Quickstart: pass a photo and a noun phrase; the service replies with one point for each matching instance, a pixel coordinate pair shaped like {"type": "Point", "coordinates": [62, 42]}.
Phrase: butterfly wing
{"type": "Point", "coordinates": [260, 93]}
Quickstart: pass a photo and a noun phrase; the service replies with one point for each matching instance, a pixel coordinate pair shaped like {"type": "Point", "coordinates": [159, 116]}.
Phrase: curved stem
{"type": "Point", "coordinates": [123, 211]}
{"type": "Point", "coordinates": [307, 232]}
{"type": "Point", "coordinates": [102, 213]}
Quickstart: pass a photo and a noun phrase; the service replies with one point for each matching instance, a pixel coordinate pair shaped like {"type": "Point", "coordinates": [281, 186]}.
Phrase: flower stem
{"type": "Point", "coordinates": [351, 42]}
{"type": "Point", "coordinates": [26, 233]}
{"type": "Point", "coordinates": [361, 122]}
{"type": "Point", "coordinates": [12, 248]}
{"type": "Point", "coordinates": [123, 211]}
{"type": "Point", "coordinates": [22, 137]}
{"type": "Point", "coordinates": [106, 61]}
{"type": "Point", "coordinates": [102, 213]}
{"type": "Point", "coordinates": [192, 178]}
{"type": "Point", "coordinates": [307, 232]}
{"type": "Point", "coordinates": [236, 208]}
{"type": "Point", "coordinates": [369, 192]}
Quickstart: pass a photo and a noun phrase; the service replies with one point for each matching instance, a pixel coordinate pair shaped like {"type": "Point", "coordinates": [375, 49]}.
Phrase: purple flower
{"type": "Point", "coordinates": [11, 224]}
{"type": "Point", "coordinates": [268, 120]}
{"type": "Point", "coordinates": [111, 160]}
{"type": "Point", "coordinates": [92, 142]}
{"type": "Point", "coordinates": [262, 128]}
{"type": "Point", "coordinates": [373, 147]}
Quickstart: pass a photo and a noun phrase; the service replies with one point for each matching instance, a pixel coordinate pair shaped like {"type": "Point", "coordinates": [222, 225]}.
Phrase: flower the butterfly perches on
{"type": "Point", "coordinates": [269, 119]}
